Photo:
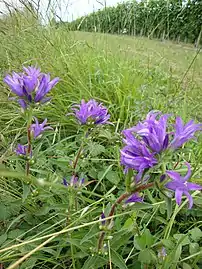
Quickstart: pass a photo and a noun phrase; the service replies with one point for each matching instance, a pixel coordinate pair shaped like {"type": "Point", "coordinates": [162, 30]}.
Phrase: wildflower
{"type": "Point", "coordinates": [134, 198]}
{"type": "Point", "coordinates": [102, 219]}
{"type": "Point", "coordinates": [137, 156]}
{"type": "Point", "coordinates": [65, 183]}
{"type": "Point", "coordinates": [162, 253]}
{"type": "Point", "coordinates": [38, 128]}
{"type": "Point", "coordinates": [153, 132]}
{"type": "Point", "coordinates": [31, 86]}
{"type": "Point", "coordinates": [91, 112]}
{"type": "Point", "coordinates": [180, 185]}
{"type": "Point", "coordinates": [81, 183]}
{"type": "Point", "coordinates": [21, 150]}
{"type": "Point", "coordinates": [74, 182]}
{"type": "Point", "coordinates": [184, 132]}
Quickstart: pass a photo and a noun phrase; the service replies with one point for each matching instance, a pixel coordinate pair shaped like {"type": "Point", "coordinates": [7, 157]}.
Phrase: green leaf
{"type": "Point", "coordinates": [96, 149]}
{"type": "Point", "coordinates": [15, 233]}
{"type": "Point", "coordinates": [28, 264]}
{"type": "Point", "coordinates": [15, 220]}
{"type": "Point", "coordinates": [196, 234]}
{"type": "Point", "coordinates": [194, 248]}
{"type": "Point", "coordinates": [177, 253]}
{"type": "Point", "coordinates": [168, 243]}
{"type": "Point", "coordinates": [92, 233]}
{"type": "Point", "coordinates": [113, 177]}
{"type": "Point", "coordinates": [26, 191]}
{"type": "Point", "coordinates": [146, 256]}
{"type": "Point", "coordinates": [3, 238]}
{"type": "Point", "coordinates": [186, 266]}
{"type": "Point", "coordinates": [105, 134]}
{"type": "Point", "coordinates": [94, 262]}
{"type": "Point", "coordinates": [4, 212]}
{"type": "Point", "coordinates": [144, 241]}
{"type": "Point", "coordinates": [168, 206]}
{"type": "Point", "coordinates": [129, 223]}
{"type": "Point", "coordinates": [43, 211]}
{"type": "Point", "coordinates": [182, 239]}
{"type": "Point", "coordinates": [118, 260]}
{"type": "Point", "coordinates": [120, 238]}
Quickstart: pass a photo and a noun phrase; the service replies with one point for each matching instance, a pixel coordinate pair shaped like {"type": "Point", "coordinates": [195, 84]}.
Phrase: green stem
{"type": "Point", "coordinates": [29, 140]}
{"type": "Point", "coordinates": [72, 254]}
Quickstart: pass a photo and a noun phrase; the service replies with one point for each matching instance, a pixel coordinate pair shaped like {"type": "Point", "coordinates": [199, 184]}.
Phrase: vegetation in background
{"type": "Point", "coordinates": [178, 20]}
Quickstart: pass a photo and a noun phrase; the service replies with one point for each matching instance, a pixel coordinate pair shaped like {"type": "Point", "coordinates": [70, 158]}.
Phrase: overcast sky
{"type": "Point", "coordinates": [66, 9]}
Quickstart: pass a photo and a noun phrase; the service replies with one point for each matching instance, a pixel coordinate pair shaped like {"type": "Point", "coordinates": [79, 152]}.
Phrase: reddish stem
{"type": "Point", "coordinates": [77, 158]}
{"type": "Point", "coordinates": [100, 241]}
{"type": "Point", "coordinates": [126, 195]}
{"type": "Point", "coordinates": [118, 201]}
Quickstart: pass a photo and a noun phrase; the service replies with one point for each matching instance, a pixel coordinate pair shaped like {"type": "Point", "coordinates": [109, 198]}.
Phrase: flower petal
{"type": "Point", "coordinates": [189, 197]}
{"type": "Point", "coordinates": [188, 175]}
{"type": "Point", "coordinates": [178, 196]}
{"type": "Point", "coordinates": [193, 186]}
{"type": "Point", "coordinates": [174, 175]}
{"type": "Point", "coordinates": [134, 198]}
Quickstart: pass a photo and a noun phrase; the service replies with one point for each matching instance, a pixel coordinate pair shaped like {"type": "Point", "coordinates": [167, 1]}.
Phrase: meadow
{"type": "Point", "coordinates": [47, 221]}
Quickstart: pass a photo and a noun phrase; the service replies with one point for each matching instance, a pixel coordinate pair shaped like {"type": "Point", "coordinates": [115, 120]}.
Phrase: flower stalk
{"type": "Point", "coordinates": [117, 202]}
{"type": "Point", "coordinates": [29, 141]}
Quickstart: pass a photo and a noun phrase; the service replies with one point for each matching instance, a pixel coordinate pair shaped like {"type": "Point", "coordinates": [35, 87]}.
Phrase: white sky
{"type": "Point", "coordinates": [66, 9]}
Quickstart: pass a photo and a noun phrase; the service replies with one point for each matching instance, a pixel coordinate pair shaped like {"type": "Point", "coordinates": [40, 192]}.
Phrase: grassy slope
{"type": "Point", "coordinates": [166, 56]}
{"type": "Point", "coordinates": [126, 73]}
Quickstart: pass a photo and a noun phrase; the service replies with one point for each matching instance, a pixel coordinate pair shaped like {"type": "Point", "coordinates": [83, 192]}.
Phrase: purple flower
{"type": "Point", "coordinates": [134, 198]}
{"type": "Point", "coordinates": [30, 78]}
{"type": "Point", "coordinates": [136, 155]}
{"type": "Point", "coordinates": [38, 128]}
{"type": "Point", "coordinates": [81, 183]}
{"type": "Point", "coordinates": [184, 133]}
{"type": "Point", "coordinates": [91, 112]}
{"type": "Point", "coordinates": [45, 85]}
{"type": "Point", "coordinates": [31, 85]}
{"type": "Point", "coordinates": [21, 150]}
{"type": "Point", "coordinates": [153, 132]}
{"type": "Point", "coordinates": [15, 83]}
{"type": "Point", "coordinates": [102, 219]}
{"type": "Point", "coordinates": [180, 185]}
{"type": "Point", "coordinates": [162, 253]}
{"type": "Point", "coordinates": [65, 183]}
{"type": "Point", "coordinates": [74, 182]}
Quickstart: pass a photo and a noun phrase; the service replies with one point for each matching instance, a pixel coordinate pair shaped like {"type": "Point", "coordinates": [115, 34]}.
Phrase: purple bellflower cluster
{"type": "Point", "coordinates": [149, 139]}
{"type": "Point", "coordinates": [31, 86]}
{"type": "Point", "coordinates": [91, 112]}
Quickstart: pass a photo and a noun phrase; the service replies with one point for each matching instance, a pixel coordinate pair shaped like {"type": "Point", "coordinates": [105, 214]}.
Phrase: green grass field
{"type": "Point", "coordinates": [131, 76]}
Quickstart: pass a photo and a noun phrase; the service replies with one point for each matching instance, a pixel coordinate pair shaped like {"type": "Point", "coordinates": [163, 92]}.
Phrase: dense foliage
{"type": "Point", "coordinates": [172, 19]}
